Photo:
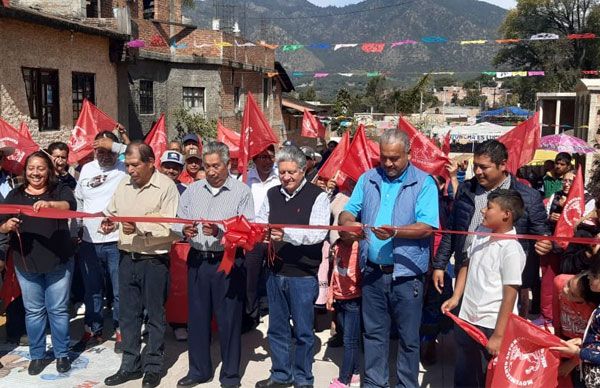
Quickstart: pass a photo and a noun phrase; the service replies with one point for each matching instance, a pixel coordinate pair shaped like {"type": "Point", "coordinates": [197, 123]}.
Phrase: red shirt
{"type": "Point", "coordinates": [573, 317]}
{"type": "Point", "coordinates": [345, 278]}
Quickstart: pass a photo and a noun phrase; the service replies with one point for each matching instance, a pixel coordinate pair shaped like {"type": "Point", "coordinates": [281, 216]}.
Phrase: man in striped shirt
{"type": "Point", "coordinates": [217, 197]}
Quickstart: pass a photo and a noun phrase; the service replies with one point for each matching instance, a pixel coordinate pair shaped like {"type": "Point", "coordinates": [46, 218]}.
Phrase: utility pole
{"type": "Point", "coordinates": [421, 108]}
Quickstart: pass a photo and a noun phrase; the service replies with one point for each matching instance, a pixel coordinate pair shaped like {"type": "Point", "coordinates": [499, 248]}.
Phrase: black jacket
{"type": "Point", "coordinates": [533, 221]}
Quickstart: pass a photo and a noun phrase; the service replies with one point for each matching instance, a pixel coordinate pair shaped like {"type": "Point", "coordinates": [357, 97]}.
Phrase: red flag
{"type": "Point", "coordinates": [256, 135]}
{"type": "Point", "coordinates": [10, 287]}
{"type": "Point", "coordinates": [572, 210]}
{"type": "Point", "coordinates": [24, 131]}
{"type": "Point", "coordinates": [472, 331]}
{"type": "Point", "coordinates": [6, 3]}
{"type": "Point", "coordinates": [157, 139]}
{"type": "Point", "coordinates": [446, 144]}
{"type": "Point", "coordinates": [424, 154]}
{"type": "Point", "coordinates": [230, 138]}
{"type": "Point", "coordinates": [525, 359]}
{"type": "Point", "coordinates": [311, 126]}
{"type": "Point", "coordinates": [332, 165]}
{"type": "Point", "coordinates": [361, 155]}
{"type": "Point", "coordinates": [23, 147]}
{"type": "Point", "coordinates": [521, 143]}
{"type": "Point", "coordinates": [91, 121]}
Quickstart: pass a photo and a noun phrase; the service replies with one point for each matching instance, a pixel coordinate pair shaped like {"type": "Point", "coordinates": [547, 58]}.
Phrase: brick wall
{"type": "Point", "coordinates": [61, 50]}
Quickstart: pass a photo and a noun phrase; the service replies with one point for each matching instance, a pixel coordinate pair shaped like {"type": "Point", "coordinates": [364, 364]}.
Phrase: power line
{"type": "Point", "coordinates": [337, 14]}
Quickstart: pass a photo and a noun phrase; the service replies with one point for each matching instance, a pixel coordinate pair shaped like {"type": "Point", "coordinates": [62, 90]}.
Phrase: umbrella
{"type": "Point", "coordinates": [566, 143]}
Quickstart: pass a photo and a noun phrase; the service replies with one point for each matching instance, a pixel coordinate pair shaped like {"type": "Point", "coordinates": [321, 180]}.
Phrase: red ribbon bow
{"type": "Point", "coordinates": [239, 233]}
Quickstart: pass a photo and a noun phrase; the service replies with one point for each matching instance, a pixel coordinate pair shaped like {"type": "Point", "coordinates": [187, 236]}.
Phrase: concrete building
{"type": "Point", "coordinates": [587, 116]}
{"type": "Point", "coordinates": [207, 72]}
{"type": "Point", "coordinates": [557, 112]}
{"type": "Point", "coordinates": [50, 63]}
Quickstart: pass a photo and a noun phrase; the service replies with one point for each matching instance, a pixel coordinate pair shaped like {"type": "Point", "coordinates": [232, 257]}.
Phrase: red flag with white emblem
{"type": "Point", "coordinates": [572, 210]}
{"type": "Point", "coordinates": [311, 126]}
{"type": "Point", "coordinates": [23, 147]}
{"type": "Point", "coordinates": [256, 135]}
{"type": "Point", "coordinates": [91, 121]}
{"type": "Point", "coordinates": [157, 139]}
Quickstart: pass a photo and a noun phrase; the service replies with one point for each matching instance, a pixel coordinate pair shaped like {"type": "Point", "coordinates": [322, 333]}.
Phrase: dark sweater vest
{"type": "Point", "coordinates": [291, 260]}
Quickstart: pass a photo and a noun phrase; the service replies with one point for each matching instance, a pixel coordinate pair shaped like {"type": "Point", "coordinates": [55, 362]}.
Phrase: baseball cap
{"type": "Point", "coordinates": [193, 153]}
{"type": "Point", "coordinates": [172, 156]}
{"type": "Point", "coordinates": [191, 137]}
{"type": "Point", "coordinates": [311, 154]}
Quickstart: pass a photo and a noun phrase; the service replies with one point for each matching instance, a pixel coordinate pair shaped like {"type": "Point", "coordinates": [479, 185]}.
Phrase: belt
{"type": "Point", "coordinates": [141, 256]}
{"type": "Point", "coordinates": [386, 269]}
{"type": "Point", "coordinates": [207, 255]}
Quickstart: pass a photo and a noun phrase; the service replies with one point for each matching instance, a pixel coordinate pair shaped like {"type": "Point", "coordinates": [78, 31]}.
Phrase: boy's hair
{"type": "Point", "coordinates": [563, 157]}
{"type": "Point", "coordinates": [508, 200]}
{"type": "Point", "coordinates": [58, 145]}
{"type": "Point", "coordinates": [586, 292]}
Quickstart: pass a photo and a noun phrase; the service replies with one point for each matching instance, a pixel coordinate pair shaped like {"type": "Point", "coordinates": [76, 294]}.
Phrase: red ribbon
{"type": "Point", "coordinates": [239, 233]}
{"type": "Point", "coordinates": [66, 214]}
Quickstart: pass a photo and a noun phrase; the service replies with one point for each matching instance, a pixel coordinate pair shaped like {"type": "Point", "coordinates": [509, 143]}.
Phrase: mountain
{"type": "Point", "coordinates": [298, 22]}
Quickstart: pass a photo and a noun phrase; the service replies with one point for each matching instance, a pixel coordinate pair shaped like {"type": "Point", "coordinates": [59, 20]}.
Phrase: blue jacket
{"type": "Point", "coordinates": [533, 221]}
{"type": "Point", "coordinates": [411, 256]}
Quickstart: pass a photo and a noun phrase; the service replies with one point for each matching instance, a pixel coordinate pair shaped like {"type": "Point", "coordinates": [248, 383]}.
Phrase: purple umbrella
{"type": "Point", "coordinates": [566, 143]}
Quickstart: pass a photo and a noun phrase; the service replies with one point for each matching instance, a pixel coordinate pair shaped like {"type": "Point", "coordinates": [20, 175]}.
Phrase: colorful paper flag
{"type": "Point", "coordinates": [344, 45]}
{"type": "Point", "coordinates": [372, 47]}
{"type": "Point", "coordinates": [291, 47]}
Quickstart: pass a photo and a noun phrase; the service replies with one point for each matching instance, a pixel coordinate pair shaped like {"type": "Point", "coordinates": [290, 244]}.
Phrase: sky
{"type": "Point", "coordinates": [339, 3]}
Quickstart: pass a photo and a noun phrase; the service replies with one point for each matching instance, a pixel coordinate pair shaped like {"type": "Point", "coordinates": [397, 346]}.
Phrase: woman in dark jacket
{"type": "Point", "coordinates": [43, 256]}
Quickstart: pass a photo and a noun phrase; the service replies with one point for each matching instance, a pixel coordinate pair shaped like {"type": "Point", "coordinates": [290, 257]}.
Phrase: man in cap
{"type": "Point", "coordinates": [193, 167]}
{"type": "Point", "coordinates": [171, 164]}
{"type": "Point", "coordinates": [312, 159]}
{"type": "Point", "coordinates": [190, 141]}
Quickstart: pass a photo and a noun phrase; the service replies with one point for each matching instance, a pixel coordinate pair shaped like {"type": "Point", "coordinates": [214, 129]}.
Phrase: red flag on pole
{"type": "Point", "coordinates": [572, 210]}
{"type": "Point", "coordinates": [423, 153]}
{"type": "Point", "coordinates": [23, 147]}
{"type": "Point", "coordinates": [361, 155]}
{"type": "Point", "coordinates": [230, 138]}
{"type": "Point", "coordinates": [446, 144]}
{"type": "Point", "coordinates": [24, 131]}
{"type": "Point", "coordinates": [332, 165]}
{"type": "Point", "coordinates": [256, 135]}
{"type": "Point", "coordinates": [91, 121]}
{"type": "Point", "coordinates": [157, 139]}
{"type": "Point", "coordinates": [525, 359]}
{"type": "Point", "coordinates": [311, 126]}
{"type": "Point", "coordinates": [521, 143]}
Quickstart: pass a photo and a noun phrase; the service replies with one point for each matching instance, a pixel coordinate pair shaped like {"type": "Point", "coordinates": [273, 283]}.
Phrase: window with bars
{"type": "Point", "coordinates": [146, 97]}
{"type": "Point", "coordinates": [83, 88]}
{"type": "Point", "coordinates": [41, 88]}
{"type": "Point", "coordinates": [193, 98]}
{"type": "Point", "coordinates": [266, 92]}
{"type": "Point", "coordinates": [236, 98]}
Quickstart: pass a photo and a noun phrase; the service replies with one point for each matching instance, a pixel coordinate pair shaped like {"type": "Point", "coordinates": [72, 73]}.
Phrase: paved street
{"type": "Point", "coordinates": [92, 366]}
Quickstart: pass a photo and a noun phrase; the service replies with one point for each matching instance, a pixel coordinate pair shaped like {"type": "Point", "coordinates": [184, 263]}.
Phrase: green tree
{"type": "Point", "coordinates": [473, 98]}
{"type": "Point", "coordinates": [561, 59]}
{"type": "Point", "coordinates": [375, 93]}
{"type": "Point", "coordinates": [445, 80]}
{"type": "Point", "coordinates": [480, 81]}
{"type": "Point", "coordinates": [344, 103]}
{"type": "Point", "coordinates": [409, 101]}
{"type": "Point", "coordinates": [308, 94]}
{"type": "Point", "coordinates": [188, 122]}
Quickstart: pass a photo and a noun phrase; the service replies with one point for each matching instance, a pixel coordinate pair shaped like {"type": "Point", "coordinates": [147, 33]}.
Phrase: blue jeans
{"type": "Point", "coordinates": [348, 316]}
{"type": "Point", "coordinates": [46, 298]}
{"type": "Point", "coordinates": [291, 297]}
{"type": "Point", "coordinates": [97, 261]}
{"type": "Point", "coordinates": [383, 300]}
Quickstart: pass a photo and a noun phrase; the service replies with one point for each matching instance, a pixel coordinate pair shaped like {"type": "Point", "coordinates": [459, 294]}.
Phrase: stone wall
{"type": "Point", "coordinates": [64, 51]}
{"type": "Point", "coordinates": [64, 8]}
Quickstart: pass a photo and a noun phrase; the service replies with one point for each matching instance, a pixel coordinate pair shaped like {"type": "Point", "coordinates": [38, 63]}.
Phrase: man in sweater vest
{"type": "Point", "coordinates": [292, 287]}
{"type": "Point", "coordinates": [394, 261]}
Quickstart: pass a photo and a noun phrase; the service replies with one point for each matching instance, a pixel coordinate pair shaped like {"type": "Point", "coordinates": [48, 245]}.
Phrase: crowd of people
{"type": "Point", "coordinates": [387, 273]}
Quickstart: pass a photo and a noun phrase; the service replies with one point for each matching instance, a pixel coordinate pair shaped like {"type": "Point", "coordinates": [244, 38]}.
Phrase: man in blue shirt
{"type": "Point", "coordinates": [394, 261]}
